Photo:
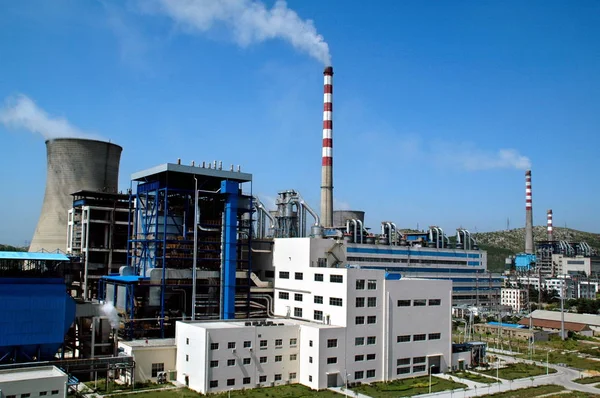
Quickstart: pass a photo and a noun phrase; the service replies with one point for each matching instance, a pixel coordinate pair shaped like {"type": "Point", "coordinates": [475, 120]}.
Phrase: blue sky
{"type": "Point", "coordinates": [427, 98]}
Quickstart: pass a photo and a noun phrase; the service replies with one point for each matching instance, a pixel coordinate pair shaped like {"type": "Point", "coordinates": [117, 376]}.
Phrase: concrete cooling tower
{"type": "Point", "coordinates": [74, 164]}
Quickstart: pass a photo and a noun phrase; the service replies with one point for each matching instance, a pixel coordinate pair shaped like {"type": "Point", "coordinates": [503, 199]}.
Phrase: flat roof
{"type": "Point", "coordinates": [23, 374]}
{"type": "Point", "coordinates": [589, 319]}
{"type": "Point", "coordinates": [149, 343]}
{"type": "Point", "coordinates": [33, 256]}
{"type": "Point", "coordinates": [241, 323]}
{"type": "Point", "coordinates": [192, 170]}
{"type": "Point", "coordinates": [124, 278]}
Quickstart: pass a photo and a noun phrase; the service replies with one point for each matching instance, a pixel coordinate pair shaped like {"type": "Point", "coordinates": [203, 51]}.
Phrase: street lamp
{"type": "Point", "coordinates": [347, 375]}
{"type": "Point", "coordinates": [430, 371]}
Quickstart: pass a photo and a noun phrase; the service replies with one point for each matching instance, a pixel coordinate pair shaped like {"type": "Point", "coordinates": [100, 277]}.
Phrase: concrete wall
{"type": "Point", "coordinates": [146, 356]}
{"type": "Point", "coordinates": [33, 381]}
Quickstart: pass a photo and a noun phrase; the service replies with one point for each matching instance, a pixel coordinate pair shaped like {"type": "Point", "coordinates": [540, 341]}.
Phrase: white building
{"type": "Point", "coordinates": [153, 358]}
{"type": "Point", "coordinates": [33, 382]}
{"type": "Point", "coordinates": [517, 299]}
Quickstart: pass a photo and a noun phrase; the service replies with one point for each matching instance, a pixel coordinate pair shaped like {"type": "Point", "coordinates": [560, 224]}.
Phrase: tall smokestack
{"type": "Point", "coordinates": [528, 215]}
{"type": "Point", "coordinates": [327, 160]}
{"type": "Point", "coordinates": [549, 225]}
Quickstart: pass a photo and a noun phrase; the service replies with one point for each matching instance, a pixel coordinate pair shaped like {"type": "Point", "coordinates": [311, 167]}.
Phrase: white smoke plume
{"type": "Point", "coordinates": [251, 22]}
{"type": "Point", "coordinates": [503, 159]}
{"type": "Point", "coordinates": [111, 313]}
{"type": "Point", "coordinates": [21, 112]}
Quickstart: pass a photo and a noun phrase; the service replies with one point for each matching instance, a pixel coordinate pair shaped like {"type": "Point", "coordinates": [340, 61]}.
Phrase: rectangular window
{"type": "Point", "coordinates": [187, 358]}
{"type": "Point", "coordinates": [336, 278]}
{"type": "Point", "coordinates": [263, 360]}
{"type": "Point", "coordinates": [370, 373]}
{"type": "Point", "coordinates": [359, 375]}
{"type": "Point", "coordinates": [214, 346]}
{"type": "Point", "coordinates": [298, 312]}
{"type": "Point", "coordinates": [42, 393]}
{"type": "Point", "coordinates": [214, 383]}
{"type": "Point", "coordinates": [358, 358]}
{"type": "Point", "coordinates": [284, 275]}
{"type": "Point", "coordinates": [278, 358]}
{"type": "Point", "coordinates": [359, 320]}
{"type": "Point", "coordinates": [262, 379]}
{"type": "Point", "coordinates": [247, 361]}
{"type": "Point", "coordinates": [370, 340]}
{"type": "Point", "coordinates": [26, 395]}
{"type": "Point", "coordinates": [403, 339]}
{"type": "Point", "coordinates": [318, 277]}
{"type": "Point", "coordinates": [371, 319]}
{"type": "Point", "coordinates": [403, 303]}
{"type": "Point", "coordinates": [231, 362]}
{"type": "Point", "coordinates": [360, 302]}
{"type": "Point", "coordinates": [297, 297]}
{"type": "Point", "coordinates": [309, 359]}
{"type": "Point", "coordinates": [310, 378]}
{"type": "Point", "coordinates": [278, 342]}
{"type": "Point", "coordinates": [359, 341]}
{"type": "Point", "coordinates": [231, 345]}
{"type": "Point", "coordinates": [420, 303]}
{"type": "Point", "coordinates": [293, 357]}
{"type": "Point", "coordinates": [372, 302]}
{"type": "Point", "coordinates": [278, 377]}
{"type": "Point", "coordinates": [293, 376]}
{"type": "Point", "coordinates": [435, 302]}
{"type": "Point", "coordinates": [156, 368]}
{"type": "Point", "coordinates": [246, 380]}
{"type": "Point", "coordinates": [293, 342]}
{"type": "Point", "coordinates": [419, 337]}
{"type": "Point", "coordinates": [434, 336]}
{"type": "Point", "coordinates": [318, 315]}
{"type": "Point", "coordinates": [214, 364]}
{"type": "Point", "coordinates": [417, 360]}
{"type": "Point", "coordinates": [318, 299]}
{"type": "Point", "coordinates": [331, 343]}
{"type": "Point", "coordinates": [371, 284]}
{"type": "Point", "coordinates": [298, 276]}
{"type": "Point", "coordinates": [263, 344]}
{"type": "Point", "coordinates": [360, 284]}
{"type": "Point", "coordinates": [420, 368]}
{"type": "Point", "coordinates": [231, 382]}
{"type": "Point", "coordinates": [247, 344]}
{"type": "Point", "coordinates": [321, 262]}
{"type": "Point", "coordinates": [331, 360]}
{"type": "Point", "coordinates": [370, 357]}
{"type": "Point", "coordinates": [187, 341]}
{"type": "Point", "coordinates": [335, 301]}
{"type": "Point", "coordinates": [284, 295]}
{"type": "Point", "coordinates": [402, 361]}
{"type": "Point", "coordinates": [403, 371]}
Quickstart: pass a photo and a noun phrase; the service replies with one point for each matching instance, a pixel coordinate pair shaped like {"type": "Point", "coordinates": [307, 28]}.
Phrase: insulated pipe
{"type": "Point", "coordinates": [389, 225]}
{"type": "Point", "coordinates": [348, 226]}
{"type": "Point", "coordinates": [355, 231]}
{"type": "Point", "coordinates": [360, 230]}
{"type": "Point", "coordinates": [441, 237]}
{"type": "Point", "coordinates": [396, 232]}
{"type": "Point", "coordinates": [312, 212]}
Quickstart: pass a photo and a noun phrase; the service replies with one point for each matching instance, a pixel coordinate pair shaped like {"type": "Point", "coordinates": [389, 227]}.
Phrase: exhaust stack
{"type": "Point", "coordinates": [528, 215]}
{"type": "Point", "coordinates": [327, 156]}
{"type": "Point", "coordinates": [549, 225]}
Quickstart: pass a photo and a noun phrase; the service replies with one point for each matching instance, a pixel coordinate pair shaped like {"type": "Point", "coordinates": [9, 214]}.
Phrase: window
{"type": "Point", "coordinates": [214, 346]}
{"type": "Point", "coordinates": [419, 337]}
{"type": "Point", "coordinates": [370, 373]}
{"type": "Point", "coordinates": [278, 377]}
{"type": "Point", "coordinates": [420, 303]}
{"type": "Point", "coordinates": [402, 361]}
{"type": "Point", "coordinates": [246, 380]}
{"type": "Point", "coordinates": [309, 359]}
{"type": "Point", "coordinates": [403, 371]}
{"type": "Point", "coordinates": [293, 376]}
{"type": "Point", "coordinates": [298, 312]}
{"type": "Point", "coordinates": [359, 341]}
{"type": "Point", "coordinates": [262, 379]}
{"type": "Point", "coordinates": [187, 341]}
{"type": "Point", "coordinates": [278, 358]}
{"type": "Point", "coordinates": [247, 344]}
{"type": "Point", "coordinates": [371, 319]}
{"type": "Point", "coordinates": [360, 301]}
{"type": "Point", "coordinates": [297, 297]}
{"type": "Point", "coordinates": [42, 393]}
{"type": "Point", "coordinates": [309, 378]}
{"type": "Point", "coordinates": [359, 375]}
{"type": "Point", "coordinates": [278, 343]}
{"type": "Point", "coordinates": [321, 262]}
{"type": "Point", "coordinates": [14, 396]}
{"type": "Point", "coordinates": [335, 301]}
{"type": "Point", "coordinates": [284, 295]}
{"type": "Point", "coordinates": [263, 344]}
{"type": "Point", "coordinates": [420, 368]}
{"type": "Point", "coordinates": [359, 320]}
{"type": "Point", "coordinates": [231, 382]}
{"type": "Point", "coordinates": [247, 361]}
{"type": "Point", "coordinates": [187, 358]}
{"type": "Point", "coordinates": [214, 364]}
{"type": "Point", "coordinates": [372, 302]}
{"type": "Point", "coordinates": [417, 360]}
{"type": "Point", "coordinates": [263, 360]}
{"type": "Point", "coordinates": [435, 302]}
{"type": "Point", "coordinates": [370, 340]}
{"type": "Point", "coordinates": [358, 358]}
{"type": "Point", "coordinates": [336, 278]}
{"type": "Point", "coordinates": [318, 299]}
{"type": "Point", "coordinates": [434, 336]}
{"type": "Point", "coordinates": [284, 275]}
{"type": "Point", "coordinates": [231, 345]}
{"type": "Point", "coordinates": [331, 360]}
{"type": "Point", "coordinates": [360, 284]}
{"type": "Point", "coordinates": [26, 395]}
{"type": "Point", "coordinates": [293, 342]}
{"type": "Point", "coordinates": [331, 343]}
{"type": "Point", "coordinates": [231, 362]}
{"type": "Point", "coordinates": [318, 277]}
{"type": "Point", "coordinates": [157, 367]}
{"type": "Point", "coordinates": [371, 284]}
{"type": "Point", "coordinates": [214, 383]}
{"type": "Point", "coordinates": [403, 303]}
{"type": "Point", "coordinates": [370, 357]}
{"type": "Point", "coordinates": [310, 343]}
{"type": "Point", "coordinates": [293, 357]}
{"type": "Point", "coordinates": [298, 276]}
{"type": "Point", "coordinates": [318, 315]}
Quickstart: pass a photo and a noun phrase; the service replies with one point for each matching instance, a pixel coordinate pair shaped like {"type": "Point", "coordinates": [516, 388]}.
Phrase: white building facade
{"type": "Point", "coordinates": [154, 359]}
{"type": "Point", "coordinates": [33, 382]}
{"type": "Point", "coordinates": [517, 299]}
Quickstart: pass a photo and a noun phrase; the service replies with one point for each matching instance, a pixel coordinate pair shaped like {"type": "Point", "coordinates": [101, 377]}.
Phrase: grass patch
{"type": "Point", "coordinates": [116, 387]}
{"type": "Point", "coordinates": [514, 371]}
{"type": "Point", "coordinates": [286, 391]}
{"type": "Point", "coordinates": [588, 380]}
{"type": "Point", "coordinates": [407, 387]}
{"type": "Point", "coordinates": [474, 377]}
{"type": "Point", "coordinates": [529, 392]}
{"type": "Point", "coordinates": [571, 359]}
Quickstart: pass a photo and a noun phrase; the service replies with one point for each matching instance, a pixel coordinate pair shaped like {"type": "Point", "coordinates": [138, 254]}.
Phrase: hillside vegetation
{"type": "Point", "coordinates": [9, 248]}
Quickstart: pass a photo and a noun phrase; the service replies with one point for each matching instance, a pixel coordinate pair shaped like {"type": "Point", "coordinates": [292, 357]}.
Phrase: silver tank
{"type": "Point", "coordinates": [340, 217]}
{"type": "Point", "coordinates": [74, 164]}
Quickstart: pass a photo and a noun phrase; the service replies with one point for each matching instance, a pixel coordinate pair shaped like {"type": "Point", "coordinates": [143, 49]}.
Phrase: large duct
{"type": "Point", "coordinates": [528, 215]}
{"type": "Point", "coordinates": [549, 225]}
{"type": "Point", "coordinates": [327, 156]}
{"type": "Point", "coordinates": [74, 164]}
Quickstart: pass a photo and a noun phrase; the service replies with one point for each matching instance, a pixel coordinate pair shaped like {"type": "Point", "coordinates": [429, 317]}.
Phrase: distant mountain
{"type": "Point", "coordinates": [9, 248]}
{"type": "Point", "coordinates": [501, 244]}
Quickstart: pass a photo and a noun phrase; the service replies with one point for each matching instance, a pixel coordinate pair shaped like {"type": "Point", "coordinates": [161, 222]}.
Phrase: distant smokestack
{"type": "Point", "coordinates": [327, 160]}
{"type": "Point", "coordinates": [528, 215]}
{"type": "Point", "coordinates": [549, 225]}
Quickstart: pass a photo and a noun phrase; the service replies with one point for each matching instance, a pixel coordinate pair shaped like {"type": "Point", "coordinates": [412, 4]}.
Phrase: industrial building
{"type": "Point", "coordinates": [33, 382]}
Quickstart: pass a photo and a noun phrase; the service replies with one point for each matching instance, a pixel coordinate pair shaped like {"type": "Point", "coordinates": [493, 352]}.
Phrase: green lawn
{"type": "Point", "coordinates": [517, 371]}
{"type": "Point", "coordinates": [287, 391]}
{"type": "Point", "coordinates": [569, 358]}
{"type": "Point", "coordinates": [574, 394]}
{"type": "Point", "coordinates": [474, 377]}
{"type": "Point", "coordinates": [407, 387]}
{"type": "Point", "coordinates": [588, 380]}
{"type": "Point", "coordinates": [530, 392]}
{"type": "Point", "coordinates": [115, 387]}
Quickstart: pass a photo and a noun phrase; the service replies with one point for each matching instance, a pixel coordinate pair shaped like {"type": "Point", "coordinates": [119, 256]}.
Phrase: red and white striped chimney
{"type": "Point", "coordinates": [528, 214]}
{"type": "Point", "coordinates": [549, 225]}
{"type": "Point", "coordinates": [327, 159]}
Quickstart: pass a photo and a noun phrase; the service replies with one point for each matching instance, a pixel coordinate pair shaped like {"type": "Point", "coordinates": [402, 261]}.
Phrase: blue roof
{"type": "Point", "coordinates": [124, 279]}
{"type": "Point", "coordinates": [507, 325]}
{"type": "Point", "coordinates": [33, 256]}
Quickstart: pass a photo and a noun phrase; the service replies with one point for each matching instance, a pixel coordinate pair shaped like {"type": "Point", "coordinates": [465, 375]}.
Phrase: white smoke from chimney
{"type": "Point", "coordinates": [21, 112]}
{"type": "Point", "coordinates": [111, 313]}
{"type": "Point", "coordinates": [251, 22]}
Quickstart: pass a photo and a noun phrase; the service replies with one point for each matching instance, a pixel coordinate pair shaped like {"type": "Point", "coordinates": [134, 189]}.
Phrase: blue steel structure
{"type": "Point", "coordinates": [230, 190]}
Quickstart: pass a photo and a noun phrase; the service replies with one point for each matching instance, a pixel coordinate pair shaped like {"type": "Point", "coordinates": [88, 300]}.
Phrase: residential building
{"type": "Point", "coordinates": [517, 299]}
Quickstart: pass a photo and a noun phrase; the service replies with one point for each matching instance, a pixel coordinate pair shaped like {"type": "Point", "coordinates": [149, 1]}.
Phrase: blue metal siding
{"type": "Point", "coordinates": [415, 253]}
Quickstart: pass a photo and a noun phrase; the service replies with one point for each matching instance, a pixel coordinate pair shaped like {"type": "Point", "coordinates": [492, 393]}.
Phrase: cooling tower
{"type": "Point", "coordinates": [74, 164]}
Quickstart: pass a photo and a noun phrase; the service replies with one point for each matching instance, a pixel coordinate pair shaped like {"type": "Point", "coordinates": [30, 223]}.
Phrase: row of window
{"type": "Point", "coordinates": [405, 260]}
{"type": "Point", "coordinates": [419, 302]}
{"type": "Point", "coordinates": [406, 361]}
{"type": "Point", "coordinates": [361, 357]}
{"type": "Point", "coordinates": [318, 277]}
{"type": "Point", "coordinates": [331, 343]}
{"type": "Point", "coordinates": [248, 361]}
{"type": "Point", "coordinates": [406, 369]}
{"type": "Point", "coordinates": [361, 340]}
{"type": "Point", "coordinates": [360, 374]}
{"type": "Point", "coordinates": [418, 337]}
{"type": "Point", "coordinates": [335, 301]}
{"type": "Point", "coordinates": [360, 320]}
{"type": "Point", "coordinates": [247, 380]}
{"type": "Point", "coordinates": [371, 301]}
{"type": "Point", "coordinates": [248, 344]}
{"type": "Point", "coordinates": [27, 394]}
{"type": "Point", "coordinates": [330, 360]}
{"type": "Point", "coordinates": [370, 283]}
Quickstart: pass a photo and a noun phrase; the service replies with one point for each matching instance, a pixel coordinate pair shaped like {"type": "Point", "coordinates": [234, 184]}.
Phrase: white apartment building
{"type": "Point", "coordinates": [33, 382]}
{"type": "Point", "coordinates": [517, 299]}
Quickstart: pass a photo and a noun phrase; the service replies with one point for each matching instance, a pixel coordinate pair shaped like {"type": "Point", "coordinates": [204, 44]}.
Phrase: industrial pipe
{"type": "Point", "coordinates": [359, 222]}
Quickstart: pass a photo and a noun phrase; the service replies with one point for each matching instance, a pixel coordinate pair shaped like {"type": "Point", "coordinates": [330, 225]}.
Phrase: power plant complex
{"type": "Point", "coordinates": [190, 269]}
